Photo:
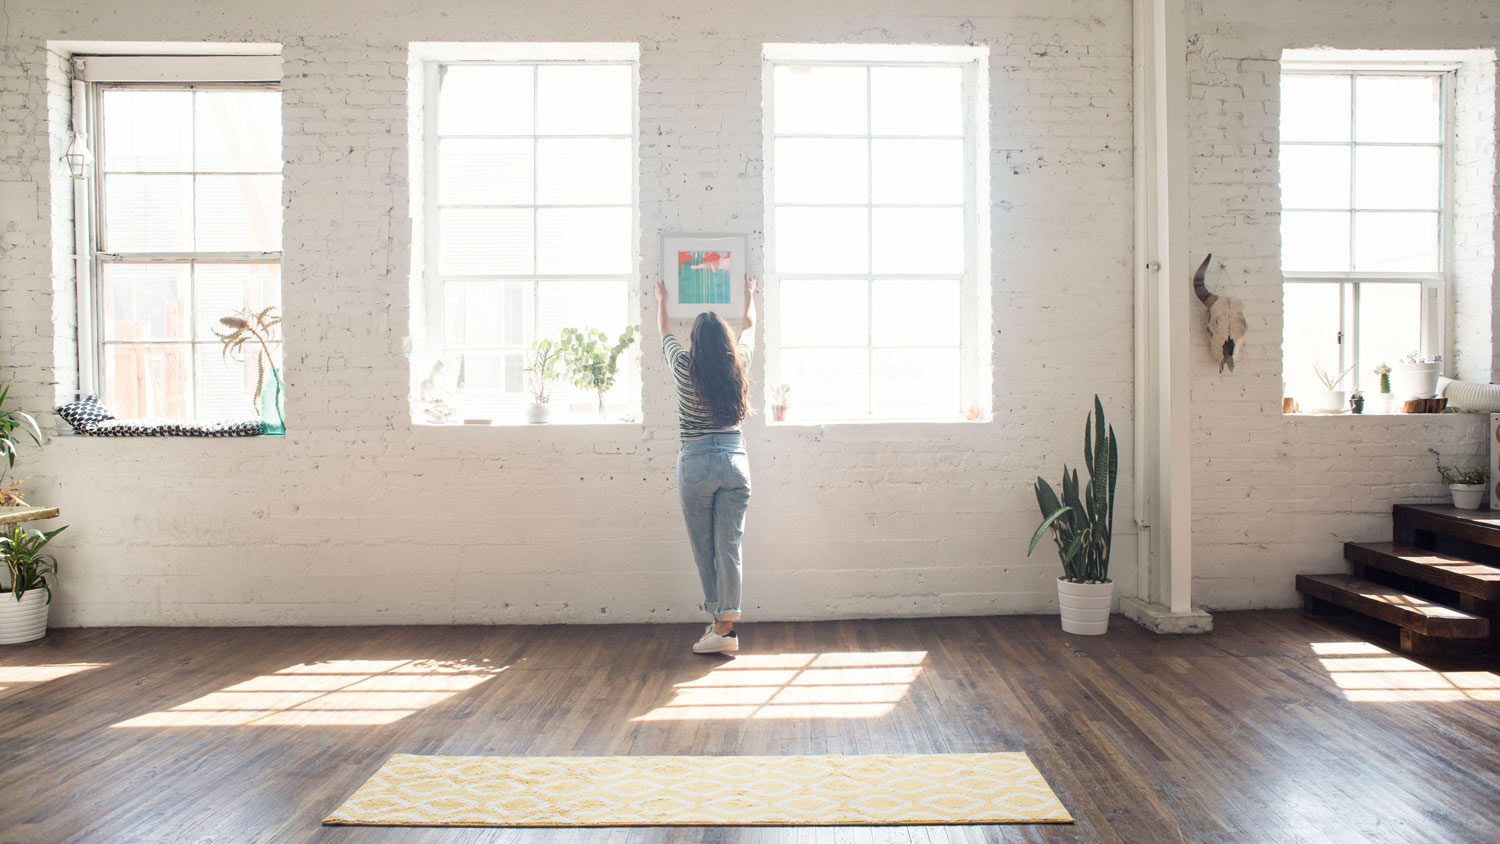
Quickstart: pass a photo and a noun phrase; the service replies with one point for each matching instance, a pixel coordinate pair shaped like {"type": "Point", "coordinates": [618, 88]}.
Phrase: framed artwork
{"type": "Point", "coordinates": [704, 273]}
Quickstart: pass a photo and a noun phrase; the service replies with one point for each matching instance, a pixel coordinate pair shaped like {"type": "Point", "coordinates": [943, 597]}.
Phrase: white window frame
{"type": "Point", "coordinates": [435, 56]}
{"type": "Point", "coordinates": [92, 75]}
{"type": "Point", "coordinates": [1435, 285]}
{"type": "Point", "coordinates": [973, 390]}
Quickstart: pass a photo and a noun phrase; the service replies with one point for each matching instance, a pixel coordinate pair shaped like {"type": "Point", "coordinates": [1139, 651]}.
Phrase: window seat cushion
{"type": "Point", "coordinates": [90, 418]}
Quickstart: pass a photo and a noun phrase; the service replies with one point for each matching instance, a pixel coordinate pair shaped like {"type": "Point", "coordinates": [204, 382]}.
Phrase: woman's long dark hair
{"type": "Point", "coordinates": [718, 371]}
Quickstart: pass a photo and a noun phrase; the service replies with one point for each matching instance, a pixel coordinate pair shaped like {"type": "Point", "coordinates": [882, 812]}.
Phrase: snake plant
{"type": "Point", "coordinates": [1082, 521]}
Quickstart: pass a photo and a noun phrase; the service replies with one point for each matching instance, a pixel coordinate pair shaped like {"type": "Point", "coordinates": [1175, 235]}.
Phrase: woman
{"type": "Point", "coordinates": [713, 472]}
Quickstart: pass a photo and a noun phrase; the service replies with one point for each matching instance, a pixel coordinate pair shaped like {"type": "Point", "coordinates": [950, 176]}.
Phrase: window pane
{"type": "Point", "coordinates": [1314, 241]}
{"type": "Point", "coordinates": [825, 313]}
{"type": "Point", "coordinates": [828, 383]}
{"type": "Point", "coordinates": [238, 213]}
{"type": "Point", "coordinates": [237, 131]}
{"type": "Point", "coordinates": [487, 314]}
{"type": "Point", "coordinates": [226, 387]}
{"type": "Point", "coordinates": [1396, 241]}
{"type": "Point", "coordinates": [148, 213]}
{"type": "Point", "coordinates": [919, 172]}
{"type": "Point", "coordinates": [822, 170]}
{"type": "Point", "coordinates": [487, 374]}
{"type": "Point", "coordinates": [586, 241]}
{"type": "Point", "coordinates": [584, 99]}
{"type": "Point", "coordinates": [582, 304]}
{"type": "Point", "coordinates": [1314, 108]}
{"type": "Point", "coordinates": [1310, 335]}
{"type": "Point", "coordinates": [491, 241]}
{"type": "Point", "coordinates": [915, 383]}
{"type": "Point", "coordinates": [485, 100]}
{"type": "Point", "coordinates": [224, 289]}
{"type": "Point", "coordinates": [485, 171]}
{"type": "Point", "coordinates": [146, 302]}
{"type": "Point", "coordinates": [147, 130]}
{"type": "Point", "coordinates": [149, 381]}
{"type": "Point", "coordinates": [1397, 177]}
{"type": "Point", "coordinates": [915, 313]}
{"type": "Point", "coordinates": [820, 100]}
{"type": "Point", "coordinates": [591, 171]}
{"type": "Point", "coordinates": [822, 240]}
{"type": "Point", "coordinates": [1314, 176]}
{"type": "Point", "coordinates": [1390, 326]}
{"type": "Point", "coordinates": [1397, 109]}
{"type": "Point", "coordinates": [919, 240]}
{"type": "Point", "coordinates": [916, 101]}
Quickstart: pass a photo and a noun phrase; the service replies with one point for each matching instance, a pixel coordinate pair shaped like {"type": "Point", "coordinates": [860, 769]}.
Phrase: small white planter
{"type": "Point", "coordinates": [539, 414]}
{"type": "Point", "coordinates": [24, 620]}
{"type": "Point", "coordinates": [1467, 496]}
{"type": "Point", "coordinates": [1415, 380]}
{"type": "Point", "coordinates": [1084, 607]}
{"type": "Point", "coordinates": [1380, 404]}
{"type": "Point", "coordinates": [1327, 401]}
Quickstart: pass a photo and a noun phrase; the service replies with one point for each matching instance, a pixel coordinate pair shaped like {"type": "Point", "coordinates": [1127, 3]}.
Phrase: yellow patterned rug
{"type": "Point", "coordinates": [580, 791]}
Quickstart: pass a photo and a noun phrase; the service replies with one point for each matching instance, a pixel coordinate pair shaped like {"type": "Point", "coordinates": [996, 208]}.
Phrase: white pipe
{"type": "Point", "coordinates": [1470, 395]}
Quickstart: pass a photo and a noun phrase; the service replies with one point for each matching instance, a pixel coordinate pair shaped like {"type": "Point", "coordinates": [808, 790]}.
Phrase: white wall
{"type": "Point", "coordinates": [357, 517]}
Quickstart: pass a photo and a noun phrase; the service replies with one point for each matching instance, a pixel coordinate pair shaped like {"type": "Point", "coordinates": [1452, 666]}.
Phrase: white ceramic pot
{"type": "Point", "coordinates": [539, 414]}
{"type": "Point", "coordinates": [1327, 401]}
{"type": "Point", "coordinates": [1380, 404]}
{"type": "Point", "coordinates": [1415, 380]}
{"type": "Point", "coordinates": [1467, 496]}
{"type": "Point", "coordinates": [1084, 607]}
{"type": "Point", "coordinates": [24, 620]}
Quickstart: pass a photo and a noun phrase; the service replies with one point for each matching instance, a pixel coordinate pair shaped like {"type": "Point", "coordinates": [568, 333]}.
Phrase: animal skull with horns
{"type": "Point", "coordinates": [1226, 319]}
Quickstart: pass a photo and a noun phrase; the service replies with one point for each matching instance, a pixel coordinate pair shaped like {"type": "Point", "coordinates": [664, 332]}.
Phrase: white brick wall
{"type": "Point", "coordinates": [358, 517]}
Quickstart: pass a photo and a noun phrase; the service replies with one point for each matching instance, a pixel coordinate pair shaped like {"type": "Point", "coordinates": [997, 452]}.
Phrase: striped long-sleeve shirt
{"type": "Point", "coordinates": [694, 418]}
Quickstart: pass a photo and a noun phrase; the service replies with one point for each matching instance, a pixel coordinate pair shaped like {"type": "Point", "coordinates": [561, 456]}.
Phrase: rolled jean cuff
{"type": "Point", "coordinates": [724, 615]}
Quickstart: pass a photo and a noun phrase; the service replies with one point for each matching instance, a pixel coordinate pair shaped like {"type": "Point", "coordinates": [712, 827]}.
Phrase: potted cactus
{"type": "Point", "coordinates": [1082, 523]}
{"type": "Point", "coordinates": [1384, 401]}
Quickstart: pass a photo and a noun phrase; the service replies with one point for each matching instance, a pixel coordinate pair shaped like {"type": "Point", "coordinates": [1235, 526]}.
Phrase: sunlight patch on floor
{"type": "Point", "coordinates": [342, 693]}
{"type": "Point", "coordinates": [803, 685]}
{"type": "Point", "coordinates": [1367, 673]}
{"type": "Point", "coordinates": [15, 677]}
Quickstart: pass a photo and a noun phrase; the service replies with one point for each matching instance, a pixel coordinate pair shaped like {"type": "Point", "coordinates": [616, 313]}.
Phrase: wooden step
{"type": "Point", "coordinates": [1463, 576]}
{"type": "Point", "coordinates": [1425, 625]}
{"type": "Point", "coordinates": [1481, 527]}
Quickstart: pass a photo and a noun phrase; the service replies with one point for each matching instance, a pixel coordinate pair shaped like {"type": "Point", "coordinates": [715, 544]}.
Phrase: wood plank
{"type": "Point", "coordinates": [1478, 526]}
{"type": "Point", "coordinates": [13, 515]}
{"type": "Point", "coordinates": [1393, 606]}
{"type": "Point", "coordinates": [1447, 571]}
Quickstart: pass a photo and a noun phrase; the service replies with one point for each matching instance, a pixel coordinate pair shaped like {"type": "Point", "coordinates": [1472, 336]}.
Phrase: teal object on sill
{"type": "Point", "coordinates": [273, 405]}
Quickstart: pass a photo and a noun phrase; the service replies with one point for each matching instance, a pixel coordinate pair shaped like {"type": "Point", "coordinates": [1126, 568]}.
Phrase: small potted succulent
{"type": "Point", "coordinates": [543, 371]}
{"type": "Point", "coordinates": [26, 594]}
{"type": "Point", "coordinates": [779, 404]}
{"type": "Point", "coordinates": [1382, 402]}
{"type": "Point", "coordinates": [1357, 401]}
{"type": "Point", "coordinates": [1332, 399]}
{"type": "Point", "coordinates": [1466, 485]}
{"type": "Point", "coordinates": [1416, 377]}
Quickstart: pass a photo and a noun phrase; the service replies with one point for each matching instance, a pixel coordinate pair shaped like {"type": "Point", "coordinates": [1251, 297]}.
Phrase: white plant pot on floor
{"type": "Point", "coordinates": [1467, 496]}
{"type": "Point", "coordinates": [24, 620]}
{"type": "Point", "coordinates": [1084, 607]}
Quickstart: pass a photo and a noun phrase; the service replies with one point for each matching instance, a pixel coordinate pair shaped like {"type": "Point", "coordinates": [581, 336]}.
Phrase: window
{"type": "Point", "coordinates": [530, 209]}
{"type": "Point", "coordinates": [875, 245]}
{"type": "Point", "coordinates": [1363, 223]}
{"type": "Point", "coordinates": [186, 228]}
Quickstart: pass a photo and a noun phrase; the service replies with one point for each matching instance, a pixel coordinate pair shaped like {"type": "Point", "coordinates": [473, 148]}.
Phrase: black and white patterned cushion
{"type": "Point", "coordinates": [84, 414]}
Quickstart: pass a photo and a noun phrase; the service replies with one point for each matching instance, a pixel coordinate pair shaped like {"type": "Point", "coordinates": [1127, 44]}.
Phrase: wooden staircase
{"type": "Point", "coordinates": [1438, 582]}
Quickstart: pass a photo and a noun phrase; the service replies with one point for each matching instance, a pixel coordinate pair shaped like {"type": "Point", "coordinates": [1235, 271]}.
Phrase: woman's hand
{"type": "Point", "coordinates": [752, 284]}
{"type": "Point", "coordinates": [660, 291]}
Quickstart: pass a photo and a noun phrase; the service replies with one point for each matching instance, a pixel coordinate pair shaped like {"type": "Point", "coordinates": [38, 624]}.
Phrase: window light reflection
{"type": "Point", "coordinates": [804, 685]}
{"type": "Point", "coordinates": [1366, 673]}
{"type": "Point", "coordinates": [16, 677]}
{"type": "Point", "coordinates": [342, 693]}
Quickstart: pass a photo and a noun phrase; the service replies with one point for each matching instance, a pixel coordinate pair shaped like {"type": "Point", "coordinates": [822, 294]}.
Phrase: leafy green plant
{"type": "Point", "coordinates": [545, 369]}
{"type": "Point", "coordinates": [27, 566]}
{"type": "Point", "coordinates": [250, 325]}
{"type": "Point", "coordinates": [781, 393]}
{"type": "Point", "coordinates": [1082, 521]}
{"type": "Point", "coordinates": [591, 362]}
{"type": "Point", "coordinates": [11, 421]}
{"type": "Point", "coordinates": [1456, 475]}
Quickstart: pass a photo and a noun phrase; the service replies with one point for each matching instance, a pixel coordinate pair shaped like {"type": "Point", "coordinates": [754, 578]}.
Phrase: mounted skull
{"type": "Point", "coordinates": [1226, 319]}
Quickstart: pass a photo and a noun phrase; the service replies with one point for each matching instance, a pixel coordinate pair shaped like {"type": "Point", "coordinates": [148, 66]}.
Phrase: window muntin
{"type": "Point", "coordinates": [187, 229]}
{"type": "Point", "coordinates": [531, 204]}
{"type": "Point", "coordinates": [873, 237]}
{"type": "Point", "coordinates": [1363, 221]}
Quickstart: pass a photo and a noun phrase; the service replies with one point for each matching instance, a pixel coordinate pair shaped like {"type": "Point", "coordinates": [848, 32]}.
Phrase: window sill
{"type": "Point", "coordinates": [567, 431]}
{"type": "Point", "coordinates": [1346, 415]}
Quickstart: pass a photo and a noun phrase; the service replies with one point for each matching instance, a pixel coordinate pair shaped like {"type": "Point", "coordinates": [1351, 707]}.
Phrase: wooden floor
{"type": "Point", "coordinates": [1273, 728]}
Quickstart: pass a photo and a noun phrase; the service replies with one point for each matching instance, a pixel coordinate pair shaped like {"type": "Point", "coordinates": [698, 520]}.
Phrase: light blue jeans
{"type": "Point", "coordinates": [713, 480]}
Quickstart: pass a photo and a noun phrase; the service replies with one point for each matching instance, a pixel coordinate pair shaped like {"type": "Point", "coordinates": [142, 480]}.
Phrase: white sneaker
{"type": "Point", "coordinates": [713, 643]}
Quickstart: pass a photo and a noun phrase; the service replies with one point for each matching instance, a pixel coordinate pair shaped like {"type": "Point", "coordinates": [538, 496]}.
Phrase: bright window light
{"type": "Point", "coordinates": [799, 685]}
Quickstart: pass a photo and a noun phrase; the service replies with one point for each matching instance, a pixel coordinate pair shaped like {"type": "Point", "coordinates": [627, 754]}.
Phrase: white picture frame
{"type": "Point", "coordinates": [722, 261]}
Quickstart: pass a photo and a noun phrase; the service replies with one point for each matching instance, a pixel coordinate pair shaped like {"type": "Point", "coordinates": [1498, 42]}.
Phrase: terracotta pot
{"type": "Point", "coordinates": [778, 412]}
